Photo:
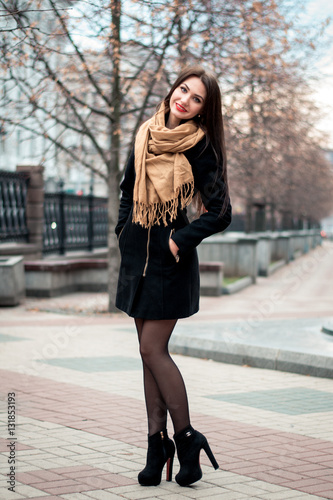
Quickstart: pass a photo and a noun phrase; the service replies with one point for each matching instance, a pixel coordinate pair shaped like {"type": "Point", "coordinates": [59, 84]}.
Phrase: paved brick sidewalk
{"type": "Point", "coordinates": [81, 428]}
{"type": "Point", "coordinates": [80, 416]}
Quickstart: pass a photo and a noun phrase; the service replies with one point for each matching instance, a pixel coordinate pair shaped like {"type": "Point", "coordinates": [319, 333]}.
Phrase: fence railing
{"type": "Point", "coordinates": [13, 195]}
{"type": "Point", "coordinates": [73, 222]}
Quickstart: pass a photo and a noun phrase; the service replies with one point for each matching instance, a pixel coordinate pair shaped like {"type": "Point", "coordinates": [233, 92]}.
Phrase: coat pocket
{"type": "Point", "coordinates": [122, 236]}
{"type": "Point", "coordinates": [121, 232]}
{"type": "Point", "coordinates": [167, 251]}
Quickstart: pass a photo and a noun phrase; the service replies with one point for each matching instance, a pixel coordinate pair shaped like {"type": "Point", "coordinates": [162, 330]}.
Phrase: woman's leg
{"type": "Point", "coordinates": [163, 382]}
{"type": "Point", "coordinates": [155, 405]}
{"type": "Point", "coordinates": [164, 385]}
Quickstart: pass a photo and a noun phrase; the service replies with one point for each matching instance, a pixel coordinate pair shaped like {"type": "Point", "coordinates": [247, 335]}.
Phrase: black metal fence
{"type": "Point", "coordinates": [13, 195]}
{"type": "Point", "coordinates": [73, 222]}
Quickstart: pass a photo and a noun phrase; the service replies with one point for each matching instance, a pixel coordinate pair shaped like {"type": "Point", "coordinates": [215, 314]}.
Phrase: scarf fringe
{"type": "Point", "coordinates": [147, 216]}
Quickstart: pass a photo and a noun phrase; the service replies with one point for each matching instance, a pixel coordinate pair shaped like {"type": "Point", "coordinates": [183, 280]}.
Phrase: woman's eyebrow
{"type": "Point", "coordinates": [188, 88]}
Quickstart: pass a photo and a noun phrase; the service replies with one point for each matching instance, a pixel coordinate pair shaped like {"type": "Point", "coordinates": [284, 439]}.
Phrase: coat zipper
{"type": "Point", "coordinates": [147, 258]}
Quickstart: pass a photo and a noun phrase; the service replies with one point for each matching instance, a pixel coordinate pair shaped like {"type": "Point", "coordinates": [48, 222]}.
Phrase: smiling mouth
{"type": "Point", "coordinates": [180, 108]}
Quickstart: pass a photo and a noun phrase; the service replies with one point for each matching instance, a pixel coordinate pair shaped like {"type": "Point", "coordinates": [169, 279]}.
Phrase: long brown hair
{"type": "Point", "coordinates": [210, 120]}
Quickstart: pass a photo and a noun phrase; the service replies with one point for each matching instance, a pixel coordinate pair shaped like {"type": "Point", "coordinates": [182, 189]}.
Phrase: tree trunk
{"type": "Point", "coordinates": [248, 217]}
{"type": "Point", "coordinates": [113, 171]}
{"type": "Point", "coordinates": [113, 250]}
{"type": "Point", "coordinates": [273, 217]}
{"type": "Point", "coordinates": [260, 217]}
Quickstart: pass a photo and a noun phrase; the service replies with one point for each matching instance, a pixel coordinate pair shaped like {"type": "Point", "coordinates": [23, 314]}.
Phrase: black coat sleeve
{"type": "Point", "coordinates": [204, 169]}
{"type": "Point", "coordinates": [126, 200]}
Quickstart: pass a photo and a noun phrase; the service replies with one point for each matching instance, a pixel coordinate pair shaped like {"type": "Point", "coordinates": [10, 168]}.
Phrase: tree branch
{"type": "Point", "coordinates": [80, 55]}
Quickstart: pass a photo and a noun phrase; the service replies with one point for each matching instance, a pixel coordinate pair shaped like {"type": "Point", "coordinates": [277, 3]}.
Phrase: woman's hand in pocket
{"type": "Point", "coordinates": [174, 249]}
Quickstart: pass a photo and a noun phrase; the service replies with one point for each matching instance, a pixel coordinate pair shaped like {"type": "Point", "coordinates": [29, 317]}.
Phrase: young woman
{"type": "Point", "coordinates": [178, 153]}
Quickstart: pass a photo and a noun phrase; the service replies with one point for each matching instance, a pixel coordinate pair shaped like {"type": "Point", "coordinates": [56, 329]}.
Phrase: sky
{"type": "Point", "coordinates": [323, 90]}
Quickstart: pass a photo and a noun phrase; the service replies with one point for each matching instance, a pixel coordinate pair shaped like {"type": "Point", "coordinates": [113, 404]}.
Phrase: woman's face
{"type": "Point", "coordinates": [187, 100]}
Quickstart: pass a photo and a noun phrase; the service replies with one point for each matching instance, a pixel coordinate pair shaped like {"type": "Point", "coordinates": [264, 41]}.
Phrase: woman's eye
{"type": "Point", "coordinates": [197, 100]}
{"type": "Point", "coordinates": [183, 89]}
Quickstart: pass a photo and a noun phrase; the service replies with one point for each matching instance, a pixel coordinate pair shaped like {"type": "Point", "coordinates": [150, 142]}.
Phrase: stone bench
{"type": "Point", "coordinates": [58, 277]}
{"type": "Point", "coordinates": [211, 278]}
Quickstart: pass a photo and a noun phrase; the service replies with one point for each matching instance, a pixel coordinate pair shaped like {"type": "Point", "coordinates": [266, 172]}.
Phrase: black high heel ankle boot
{"type": "Point", "coordinates": [161, 451]}
{"type": "Point", "coordinates": [189, 443]}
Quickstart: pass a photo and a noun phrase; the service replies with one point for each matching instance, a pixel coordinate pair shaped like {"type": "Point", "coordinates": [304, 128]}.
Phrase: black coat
{"type": "Point", "coordinates": [152, 285]}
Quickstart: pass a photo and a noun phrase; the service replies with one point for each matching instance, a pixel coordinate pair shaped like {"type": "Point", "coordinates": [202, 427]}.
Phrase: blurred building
{"type": "Point", "coordinates": [26, 145]}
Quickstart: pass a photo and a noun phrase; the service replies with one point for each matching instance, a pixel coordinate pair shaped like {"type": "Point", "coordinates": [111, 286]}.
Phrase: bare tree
{"type": "Point", "coordinates": [83, 75]}
{"type": "Point", "coordinates": [78, 98]}
{"type": "Point", "coordinates": [268, 105]}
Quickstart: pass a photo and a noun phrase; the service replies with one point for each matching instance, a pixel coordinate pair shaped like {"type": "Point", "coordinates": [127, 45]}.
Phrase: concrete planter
{"type": "Point", "coordinates": [237, 286]}
{"type": "Point", "coordinates": [264, 254]}
{"type": "Point", "coordinates": [238, 254]}
{"type": "Point", "coordinates": [12, 285]}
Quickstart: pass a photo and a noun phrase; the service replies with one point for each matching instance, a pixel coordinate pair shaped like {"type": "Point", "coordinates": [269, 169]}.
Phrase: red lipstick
{"type": "Point", "coordinates": [180, 108]}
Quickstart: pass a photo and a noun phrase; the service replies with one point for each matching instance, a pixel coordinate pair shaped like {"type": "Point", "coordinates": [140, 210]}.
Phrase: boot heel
{"type": "Point", "coordinates": [189, 443]}
{"type": "Point", "coordinates": [210, 455]}
{"type": "Point", "coordinates": [169, 469]}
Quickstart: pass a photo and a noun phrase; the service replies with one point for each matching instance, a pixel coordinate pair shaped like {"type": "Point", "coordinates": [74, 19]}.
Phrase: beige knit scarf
{"type": "Point", "coordinates": [163, 174]}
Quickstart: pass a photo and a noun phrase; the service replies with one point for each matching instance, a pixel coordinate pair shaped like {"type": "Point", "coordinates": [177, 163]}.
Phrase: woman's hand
{"type": "Point", "coordinates": [174, 249]}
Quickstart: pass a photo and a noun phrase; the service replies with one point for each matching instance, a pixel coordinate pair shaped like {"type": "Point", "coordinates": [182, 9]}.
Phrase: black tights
{"type": "Point", "coordinates": [163, 384]}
